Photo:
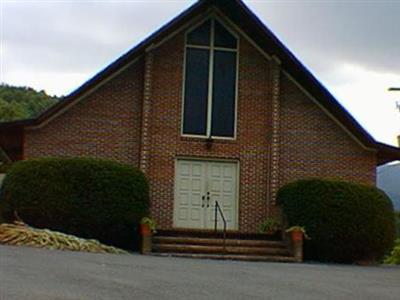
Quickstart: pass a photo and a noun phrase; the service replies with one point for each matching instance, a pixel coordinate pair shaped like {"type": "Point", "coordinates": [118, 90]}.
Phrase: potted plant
{"type": "Point", "coordinates": [270, 226]}
{"type": "Point", "coordinates": [296, 243]}
{"type": "Point", "coordinates": [147, 226]}
{"type": "Point", "coordinates": [297, 233]}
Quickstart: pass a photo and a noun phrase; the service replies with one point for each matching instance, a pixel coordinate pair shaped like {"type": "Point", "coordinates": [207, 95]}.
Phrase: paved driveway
{"type": "Point", "coordinates": [27, 273]}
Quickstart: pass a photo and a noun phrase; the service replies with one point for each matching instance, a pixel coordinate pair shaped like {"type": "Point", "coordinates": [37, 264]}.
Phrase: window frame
{"type": "Point", "coordinates": [212, 50]}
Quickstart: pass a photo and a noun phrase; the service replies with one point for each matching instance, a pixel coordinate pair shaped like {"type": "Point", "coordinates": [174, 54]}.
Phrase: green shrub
{"type": "Point", "coordinates": [4, 167]}
{"type": "Point", "coordinates": [89, 198]}
{"type": "Point", "coordinates": [394, 257]}
{"type": "Point", "coordinates": [397, 216]}
{"type": "Point", "coordinates": [346, 222]}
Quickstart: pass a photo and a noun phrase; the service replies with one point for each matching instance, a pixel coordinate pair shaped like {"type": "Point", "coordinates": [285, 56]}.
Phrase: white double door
{"type": "Point", "coordinates": [198, 185]}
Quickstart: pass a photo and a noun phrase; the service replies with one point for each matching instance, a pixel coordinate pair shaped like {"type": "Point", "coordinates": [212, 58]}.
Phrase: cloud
{"type": "Point", "coordinates": [55, 83]}
{"type": "Point", "coordinates": [365, 94]}
{"type": "Point", "coordinates": [351, 47]}
{"type": "Point", "coordinates": [75, 36]}
{"type": "Point", "coordinates": [322, 32]}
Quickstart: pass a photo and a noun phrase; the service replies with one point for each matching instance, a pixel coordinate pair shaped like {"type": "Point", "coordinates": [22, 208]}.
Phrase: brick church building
{"type": "Point", "coordinates": [211, 107]}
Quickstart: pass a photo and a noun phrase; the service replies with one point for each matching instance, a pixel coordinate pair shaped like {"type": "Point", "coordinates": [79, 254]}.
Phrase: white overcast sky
{"type": "Point", "coordinates": [353, 47]}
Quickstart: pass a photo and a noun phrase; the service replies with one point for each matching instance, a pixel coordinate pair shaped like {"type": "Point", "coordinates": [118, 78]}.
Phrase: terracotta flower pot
{"type": "Point", "coordinates": [297, 235]}
{"type": "Point", "coordinates": [145, 230]}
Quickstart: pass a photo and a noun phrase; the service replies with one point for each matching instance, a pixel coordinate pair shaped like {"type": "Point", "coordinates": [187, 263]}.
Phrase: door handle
{"type": "Point", "coordinates": [202, 200]}
{"type": "Point", "coordinates": [208, 199]}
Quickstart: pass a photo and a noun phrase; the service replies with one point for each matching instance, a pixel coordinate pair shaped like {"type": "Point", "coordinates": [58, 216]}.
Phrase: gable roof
{"type": "Point", "coordinates": [237, 12]}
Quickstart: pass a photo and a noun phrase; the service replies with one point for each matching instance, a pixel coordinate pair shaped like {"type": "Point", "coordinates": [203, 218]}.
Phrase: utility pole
{"type": "Point", "coordinates": [395, 89]}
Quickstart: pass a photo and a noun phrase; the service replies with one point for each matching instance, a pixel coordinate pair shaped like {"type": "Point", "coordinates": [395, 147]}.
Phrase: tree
{"type": "Point", "coordinates": [18, 103]}
{"type": "Point", "coordinates": [11, 111]}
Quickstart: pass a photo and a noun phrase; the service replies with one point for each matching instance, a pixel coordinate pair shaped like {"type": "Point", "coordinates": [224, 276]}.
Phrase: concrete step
{"type": "Point", "coordinates": [218, 242]}
{"type": "Point", "coordinates": [208, 244]}
{"type": "Point", "coordinates": [259, 258]}
{"type": "Point", "coordinates": [230, 234]}
{"type": "Point", "coordinates": [219, 249]}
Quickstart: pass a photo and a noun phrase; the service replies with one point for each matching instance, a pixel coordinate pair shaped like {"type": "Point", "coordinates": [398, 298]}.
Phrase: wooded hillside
{"type": "Point", "coordinates": [17, 103]}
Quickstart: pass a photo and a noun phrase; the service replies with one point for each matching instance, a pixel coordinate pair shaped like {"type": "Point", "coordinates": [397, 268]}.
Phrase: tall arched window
{"type": "Point", "coordinates": [210, 81]}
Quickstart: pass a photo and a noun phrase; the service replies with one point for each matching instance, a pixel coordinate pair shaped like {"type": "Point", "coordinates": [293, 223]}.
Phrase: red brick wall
{"type": "Point", "coordinates": [313, 145]}
{"type": "Point", "coordinates": [250, 147]}
{"type": "Point", "coordinates": [105, 124]}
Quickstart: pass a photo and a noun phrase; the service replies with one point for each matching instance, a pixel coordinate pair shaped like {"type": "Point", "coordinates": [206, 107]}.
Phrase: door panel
{"type": "Point", "coordinates": [190, 180]}
{"type": "Point", "coordinates": [215, 181]}
{"type": "Point", "coordinates": [222, 188]}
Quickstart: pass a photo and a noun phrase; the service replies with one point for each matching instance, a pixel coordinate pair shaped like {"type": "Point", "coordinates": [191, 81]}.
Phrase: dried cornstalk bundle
{"type": "Point", "coordinates": [19, 234]}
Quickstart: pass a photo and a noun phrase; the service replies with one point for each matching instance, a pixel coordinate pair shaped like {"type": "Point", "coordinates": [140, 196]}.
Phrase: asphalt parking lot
{"type": "Point", "coordinates": [28, 273]}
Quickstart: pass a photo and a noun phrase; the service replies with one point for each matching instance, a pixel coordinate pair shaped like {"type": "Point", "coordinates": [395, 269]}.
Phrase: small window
{"type": "Point", "coordinates": [201, 35]}
{"type": "Point", "coordinates": [223, 38]}
{"type": "Point", "coordinates": [210, 81]}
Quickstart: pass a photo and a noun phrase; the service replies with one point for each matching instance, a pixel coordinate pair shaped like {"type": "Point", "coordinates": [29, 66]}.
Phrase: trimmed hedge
{"type": "Point", "coordinates": [346, 222]}
{"type": "Point", "coordinates": [397, 217]}
{"type": "Point", "coordinates": [394, 257]}
{"type": "Point", "coordinates": [4, 168]}
{"type": "Point", "coordinates": [89, 198]}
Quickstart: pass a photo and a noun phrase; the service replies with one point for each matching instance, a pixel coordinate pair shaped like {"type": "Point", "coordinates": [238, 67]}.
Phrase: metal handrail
{"type": "Point", "coordinates": [217, 209]}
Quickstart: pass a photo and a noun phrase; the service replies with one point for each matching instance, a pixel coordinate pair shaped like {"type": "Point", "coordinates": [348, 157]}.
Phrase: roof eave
{"type": "Point", "coordinates": [387, 153]}
{"type": "Point", "coordinates": [17, 124]}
